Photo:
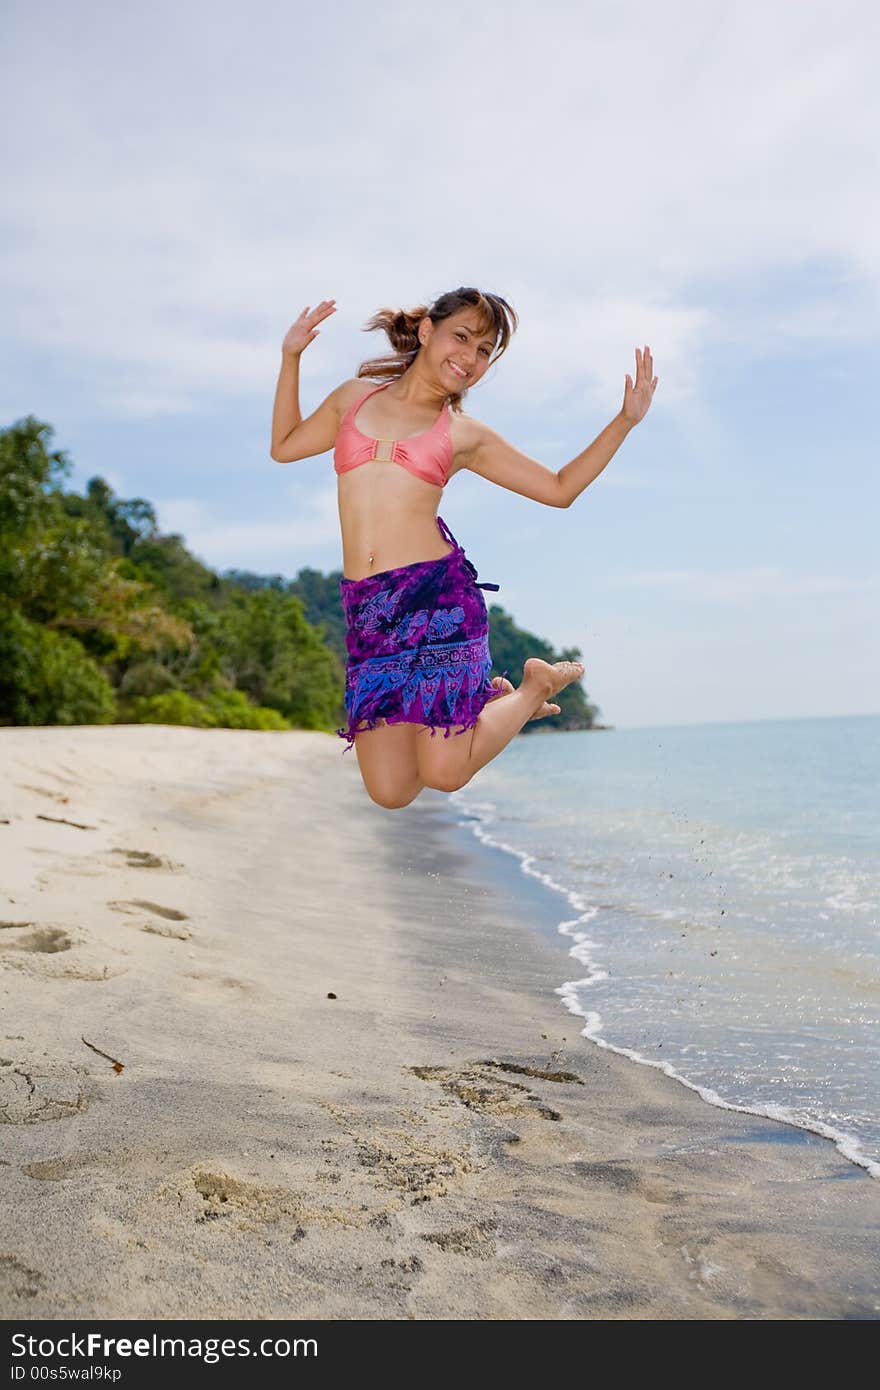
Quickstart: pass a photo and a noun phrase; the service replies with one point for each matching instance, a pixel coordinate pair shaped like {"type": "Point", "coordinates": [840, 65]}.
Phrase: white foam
{"type": "Point", "coordinates": [477, 815]}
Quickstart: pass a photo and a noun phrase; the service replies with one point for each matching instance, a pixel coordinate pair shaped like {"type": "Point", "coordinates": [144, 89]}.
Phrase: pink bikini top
{"type": "Point", "coordinates": [428, 455]}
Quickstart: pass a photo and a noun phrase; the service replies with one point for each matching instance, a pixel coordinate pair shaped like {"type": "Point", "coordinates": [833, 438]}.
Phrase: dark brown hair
{"type": "Point", "coordinates": [495, 316]}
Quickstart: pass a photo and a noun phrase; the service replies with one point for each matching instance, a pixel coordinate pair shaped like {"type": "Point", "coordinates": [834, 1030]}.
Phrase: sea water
{"type": "Point", "coordinates": [720, 887]}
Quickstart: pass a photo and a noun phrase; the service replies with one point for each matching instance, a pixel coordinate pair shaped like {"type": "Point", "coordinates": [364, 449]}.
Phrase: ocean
{"type": "Point", "coordinates": [718, 894]}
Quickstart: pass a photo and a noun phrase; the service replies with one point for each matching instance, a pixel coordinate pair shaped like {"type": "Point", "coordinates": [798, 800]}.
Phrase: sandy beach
{"type": "Point", "coordinates": [337, 1081]}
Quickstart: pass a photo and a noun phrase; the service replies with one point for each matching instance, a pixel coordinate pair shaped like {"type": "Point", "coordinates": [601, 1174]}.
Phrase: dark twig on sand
{"type": "Point", "coordinates": [60, 820]}
{"type": "Point", "coordinates": [117, 1066]}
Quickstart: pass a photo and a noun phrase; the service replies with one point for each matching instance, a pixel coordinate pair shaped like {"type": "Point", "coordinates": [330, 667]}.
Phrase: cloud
{"type": "Point", "coordinates": [307, 527]}
{"type": "Point", "coordinates": [758, 582]}
{"type": "Point", "coordinates": [680, 175]}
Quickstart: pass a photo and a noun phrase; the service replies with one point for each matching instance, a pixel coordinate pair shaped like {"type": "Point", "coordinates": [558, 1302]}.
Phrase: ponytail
{"type": "Point", "coordinates": [402, 329]}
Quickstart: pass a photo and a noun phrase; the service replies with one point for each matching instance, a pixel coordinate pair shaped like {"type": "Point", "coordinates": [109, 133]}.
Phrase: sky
{"type": "Point", "coordinates": [183, 179]}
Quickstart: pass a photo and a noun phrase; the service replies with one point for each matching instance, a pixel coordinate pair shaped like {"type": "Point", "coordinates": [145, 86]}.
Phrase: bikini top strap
{"type": "Point", "coordinates": [356, 405]}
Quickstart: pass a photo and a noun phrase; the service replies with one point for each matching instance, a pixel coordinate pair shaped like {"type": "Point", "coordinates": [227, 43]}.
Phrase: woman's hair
{"type": "Point", "coordinates": [495, 316]}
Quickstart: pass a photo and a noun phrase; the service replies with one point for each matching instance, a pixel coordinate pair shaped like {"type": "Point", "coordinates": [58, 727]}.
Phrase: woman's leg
{"type": "Point", "coordinates": [446, 764]}
{"type": "Point", "coordinates": [387, 759]}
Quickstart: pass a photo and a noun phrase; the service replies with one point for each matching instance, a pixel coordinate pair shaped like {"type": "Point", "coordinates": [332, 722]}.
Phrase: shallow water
{"type": "Point", "coordinates": [718, 890]}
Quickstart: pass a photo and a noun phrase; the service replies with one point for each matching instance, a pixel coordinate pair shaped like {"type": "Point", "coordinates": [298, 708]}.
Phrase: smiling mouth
{"type": "Point", "coordinates": [463, 376]}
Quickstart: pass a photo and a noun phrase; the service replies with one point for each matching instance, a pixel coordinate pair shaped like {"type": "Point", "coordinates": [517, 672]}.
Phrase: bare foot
{"type": "Point", "coordinates": [548, 678]}
{"type": "Point", "coordinates": [503, 684]}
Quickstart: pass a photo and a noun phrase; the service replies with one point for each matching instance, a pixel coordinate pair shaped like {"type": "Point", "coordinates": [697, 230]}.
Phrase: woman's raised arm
{"type": "Point", "coordinates": [286, 415]}
{"type": "Point", "coordinates": [498, 461]}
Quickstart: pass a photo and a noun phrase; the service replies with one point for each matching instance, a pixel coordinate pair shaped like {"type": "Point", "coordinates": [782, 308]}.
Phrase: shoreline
{"type": "Point", "coordinates": [435, 1140]}
{"type": "Point", "coordinates": [549, 892]}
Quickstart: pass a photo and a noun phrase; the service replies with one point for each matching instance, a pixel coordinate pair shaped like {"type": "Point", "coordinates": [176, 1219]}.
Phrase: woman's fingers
{"type": "Point", "coordinates": [644, 364]}
{"type": "Point", "coordinates": [327, 306]}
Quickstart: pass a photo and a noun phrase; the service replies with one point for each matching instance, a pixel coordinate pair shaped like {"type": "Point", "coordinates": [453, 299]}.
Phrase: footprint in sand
{"type": "Point", "coordinates": [145, 859]}
{"type": "Point", "coordinates": [69, 1166]}
{"type": "Point", "coordinates": [18, 1282]}
{"type": "Point", "coordinates": [41, 952]}
{"type": "Point", "coordinates": [33, 1089]}
{"type": "Point", "coordinates": [42, 940]}
{"type": "Point", "coordinates": [476, 1240]}
{"type": "Point", "coordinates": [626, 1178]}
{"type": "Point", "coordinates": [213, 989]}
{"type": "Point", "coordinates": [171, 918]}
{"type": "Point", "coordinates": [410, 1166]}
{"type": "Point", "coordinates": [478, 1086]}
{"type": "Point", "coordinates": [206, 1193]}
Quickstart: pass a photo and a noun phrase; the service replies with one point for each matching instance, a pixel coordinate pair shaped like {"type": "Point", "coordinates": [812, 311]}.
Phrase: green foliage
{"type": "Point", "coordinates": [228, 709]}
{"type": "Point", "coordinates": [29, 474]}
{"type": "Point", "coordinates": [148, 677]}
{"type": "Point", "coordinates": [233, 710]}
{"type": "Point", "coordinates": [46, 677]}
{"type": "Point", "coordinates": [123, 522]}
{"type": "Point", "coordinates": [319, 596]}
{"type": "Point", "coordinates": [28, 505]}
{"type": "Point", "coordinates": [270, 650]}
{"type": "Point", "coordinates": [173, 707]}
{"type": "Point", "coordinates": [165, 562]}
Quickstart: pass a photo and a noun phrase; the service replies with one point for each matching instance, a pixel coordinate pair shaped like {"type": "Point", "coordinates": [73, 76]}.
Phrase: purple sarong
{"type": "Point", "coordinates": [417, 639]}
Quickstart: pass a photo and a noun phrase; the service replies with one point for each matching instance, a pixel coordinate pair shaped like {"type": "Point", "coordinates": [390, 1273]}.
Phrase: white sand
{"type": "Point", "coordinates": [435, 1142]}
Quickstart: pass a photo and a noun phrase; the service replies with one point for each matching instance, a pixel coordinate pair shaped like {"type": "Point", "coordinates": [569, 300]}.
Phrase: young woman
{"type": "Point", "coordinates": [417, 624]}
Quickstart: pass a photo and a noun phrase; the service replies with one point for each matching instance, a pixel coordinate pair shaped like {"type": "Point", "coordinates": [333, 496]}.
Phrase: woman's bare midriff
{"type": "Point", "coordinates": [391, 519]}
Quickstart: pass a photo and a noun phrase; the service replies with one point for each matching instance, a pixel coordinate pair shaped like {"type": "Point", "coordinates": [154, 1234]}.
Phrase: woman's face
{"type": "Point", "coordinates": [457, 345]}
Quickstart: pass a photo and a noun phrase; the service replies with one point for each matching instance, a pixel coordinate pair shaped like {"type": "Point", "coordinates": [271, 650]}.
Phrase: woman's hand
{"type": "Point", "coordinates": [301, 333]}
{"type": "Point", "coordinates": [637, 399]}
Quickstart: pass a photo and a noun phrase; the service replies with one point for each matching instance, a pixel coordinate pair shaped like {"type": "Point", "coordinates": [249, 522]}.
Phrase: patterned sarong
{"type": "Point", "coordinates": [417, 639]}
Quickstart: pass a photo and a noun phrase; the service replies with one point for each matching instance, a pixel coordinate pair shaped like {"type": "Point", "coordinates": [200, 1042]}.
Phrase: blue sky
{"type": "Point", "coordinates": [701, 177]}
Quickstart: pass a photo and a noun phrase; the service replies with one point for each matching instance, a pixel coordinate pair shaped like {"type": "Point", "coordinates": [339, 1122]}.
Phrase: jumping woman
{"type": "Point", "coordinates": [417, 625]}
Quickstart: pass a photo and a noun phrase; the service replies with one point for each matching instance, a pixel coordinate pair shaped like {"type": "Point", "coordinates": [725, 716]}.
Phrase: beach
{"type": "Point", "coordinates": [336, 1081]}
